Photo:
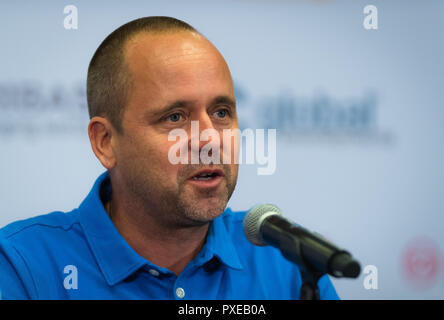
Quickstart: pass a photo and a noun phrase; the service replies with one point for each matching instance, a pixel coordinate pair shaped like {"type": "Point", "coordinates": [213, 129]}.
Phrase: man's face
{"type": "Point", "coordinates": [177, 78]}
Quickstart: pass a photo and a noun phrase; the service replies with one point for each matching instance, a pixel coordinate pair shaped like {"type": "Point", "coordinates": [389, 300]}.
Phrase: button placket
{"type": "Point", "coordinates": [154, 272]}
{"type": "Point", "coordinates": [180, 293]}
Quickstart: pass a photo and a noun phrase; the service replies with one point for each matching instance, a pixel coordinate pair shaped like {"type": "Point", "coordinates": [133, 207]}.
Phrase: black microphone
{"type": "Point", "coordinates": [265, 224]}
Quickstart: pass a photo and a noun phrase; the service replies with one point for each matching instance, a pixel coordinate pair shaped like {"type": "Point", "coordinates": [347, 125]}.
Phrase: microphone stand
{"type": "Point", "coordinates": [296, 250]}
{"type": "Point", "coordinates": [309, 288]}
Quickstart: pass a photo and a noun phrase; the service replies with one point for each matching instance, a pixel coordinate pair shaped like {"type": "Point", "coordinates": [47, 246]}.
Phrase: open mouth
{"type": "Point", "coordinates": [207, 175]}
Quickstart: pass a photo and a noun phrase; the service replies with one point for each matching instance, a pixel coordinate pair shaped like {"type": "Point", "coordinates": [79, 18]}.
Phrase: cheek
{"type": "Point", "coordinates": [157, 156]}
{"type": "Point", "coordinates": [234, 169]}
{"type": "Point", "coordinates": [144, 152]}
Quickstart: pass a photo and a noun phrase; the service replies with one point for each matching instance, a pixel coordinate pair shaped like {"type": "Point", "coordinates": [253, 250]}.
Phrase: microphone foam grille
{"type": "Point", "coordinates": [254, 219]}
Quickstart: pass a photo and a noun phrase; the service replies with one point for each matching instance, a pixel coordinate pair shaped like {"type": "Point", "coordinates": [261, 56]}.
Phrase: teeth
{"type": "Point", "coordinates": [204, 176]}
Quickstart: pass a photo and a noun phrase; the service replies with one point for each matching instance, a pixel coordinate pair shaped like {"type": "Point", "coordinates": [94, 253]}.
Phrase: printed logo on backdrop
{"type": "Point", "coordinates": [319, 118]}
{"type": "Point", "coordinates": [32, 107]}
{"type": "Point", "coordinates": [421, 263]}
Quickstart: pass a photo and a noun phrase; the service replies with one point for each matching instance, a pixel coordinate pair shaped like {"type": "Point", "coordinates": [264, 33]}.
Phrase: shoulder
{"type": "Point", "coordinates": [42, 224]}
{"type": "Point", "coordinates": [25, 249]}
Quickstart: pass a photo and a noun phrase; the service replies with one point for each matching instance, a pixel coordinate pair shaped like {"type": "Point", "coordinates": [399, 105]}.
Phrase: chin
{"type": "Point", "coordinates": [206, 210]}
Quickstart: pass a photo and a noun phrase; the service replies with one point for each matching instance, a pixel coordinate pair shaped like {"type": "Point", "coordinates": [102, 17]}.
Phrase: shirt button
{"type": "Point", "coordinates": [154, 272]}
{"type": "Point", "coordinates": [180, 293]}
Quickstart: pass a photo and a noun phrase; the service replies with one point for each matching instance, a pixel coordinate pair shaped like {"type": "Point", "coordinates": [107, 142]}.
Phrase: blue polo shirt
{"type": "Point", "coordinates": [81, 255]}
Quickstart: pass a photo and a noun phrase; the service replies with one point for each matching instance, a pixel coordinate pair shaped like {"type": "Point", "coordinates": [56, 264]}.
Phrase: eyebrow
{"type": "Point", "coordinates": [172, 106]}
{"type": "Point", "coordinates": [223, 99]}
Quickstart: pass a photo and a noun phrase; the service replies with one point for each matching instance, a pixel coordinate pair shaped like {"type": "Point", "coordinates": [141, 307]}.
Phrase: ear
{"type": "Point", "coordinates": [100, 132]}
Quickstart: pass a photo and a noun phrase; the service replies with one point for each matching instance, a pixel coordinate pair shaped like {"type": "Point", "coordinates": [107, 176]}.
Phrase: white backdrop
{"type": "Point", "coordinates": [359, 115]}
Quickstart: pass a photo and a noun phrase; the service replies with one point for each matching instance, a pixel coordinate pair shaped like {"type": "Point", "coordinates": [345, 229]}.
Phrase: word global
{"type": "Point", "coordinates": [210, 152]}
{"type": "Point", "coordinates": [226, 309]}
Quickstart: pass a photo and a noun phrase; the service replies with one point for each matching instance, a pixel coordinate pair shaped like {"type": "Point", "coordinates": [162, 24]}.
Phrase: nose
{"type": "Point", "coordinates": [205, 121]}
{"type": "Point", "coordinates": [204, 136]}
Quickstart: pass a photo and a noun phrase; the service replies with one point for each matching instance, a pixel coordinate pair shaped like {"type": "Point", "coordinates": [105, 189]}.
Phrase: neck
{"type": "Point", "coordinates": [167, 246]}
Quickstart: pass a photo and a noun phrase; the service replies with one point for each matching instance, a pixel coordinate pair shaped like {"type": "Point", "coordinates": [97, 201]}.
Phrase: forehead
{"type": "Point", "coordinates": [176, 66]}
{"type": "Point", "coordinates": [166, 54]}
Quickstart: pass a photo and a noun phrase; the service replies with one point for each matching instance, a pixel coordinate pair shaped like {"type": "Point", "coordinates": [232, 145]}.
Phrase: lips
{"type": "Point", "coordinates": [206, 175]}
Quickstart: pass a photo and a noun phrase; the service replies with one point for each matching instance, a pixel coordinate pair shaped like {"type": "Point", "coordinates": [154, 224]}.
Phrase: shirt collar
{"type": "Point", "coordinates": [219, 244]}
{"type": "Point", "coordinates": [117, 260]}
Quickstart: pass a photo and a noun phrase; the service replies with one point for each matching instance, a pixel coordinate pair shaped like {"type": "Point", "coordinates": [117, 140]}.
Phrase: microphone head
{"type": "Point", "coordinates": [254, 219]}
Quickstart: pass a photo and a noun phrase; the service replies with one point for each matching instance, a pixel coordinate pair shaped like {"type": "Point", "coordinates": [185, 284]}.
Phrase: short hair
{"type": "Point", "coordinates": [109, 79]}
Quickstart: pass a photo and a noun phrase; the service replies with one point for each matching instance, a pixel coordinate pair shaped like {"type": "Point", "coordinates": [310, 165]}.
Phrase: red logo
{"type": "Point", "coordinates": [420, 262]}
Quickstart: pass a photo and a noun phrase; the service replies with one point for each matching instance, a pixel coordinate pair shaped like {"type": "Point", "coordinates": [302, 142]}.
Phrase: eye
{"type": "Point", "coordinates": [221, 113]}
{"type": "Point", "coordinates": [174, 117]}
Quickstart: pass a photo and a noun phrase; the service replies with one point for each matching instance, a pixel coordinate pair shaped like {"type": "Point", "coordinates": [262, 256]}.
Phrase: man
{"type": "Point", "coordinates": [150, 229]}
